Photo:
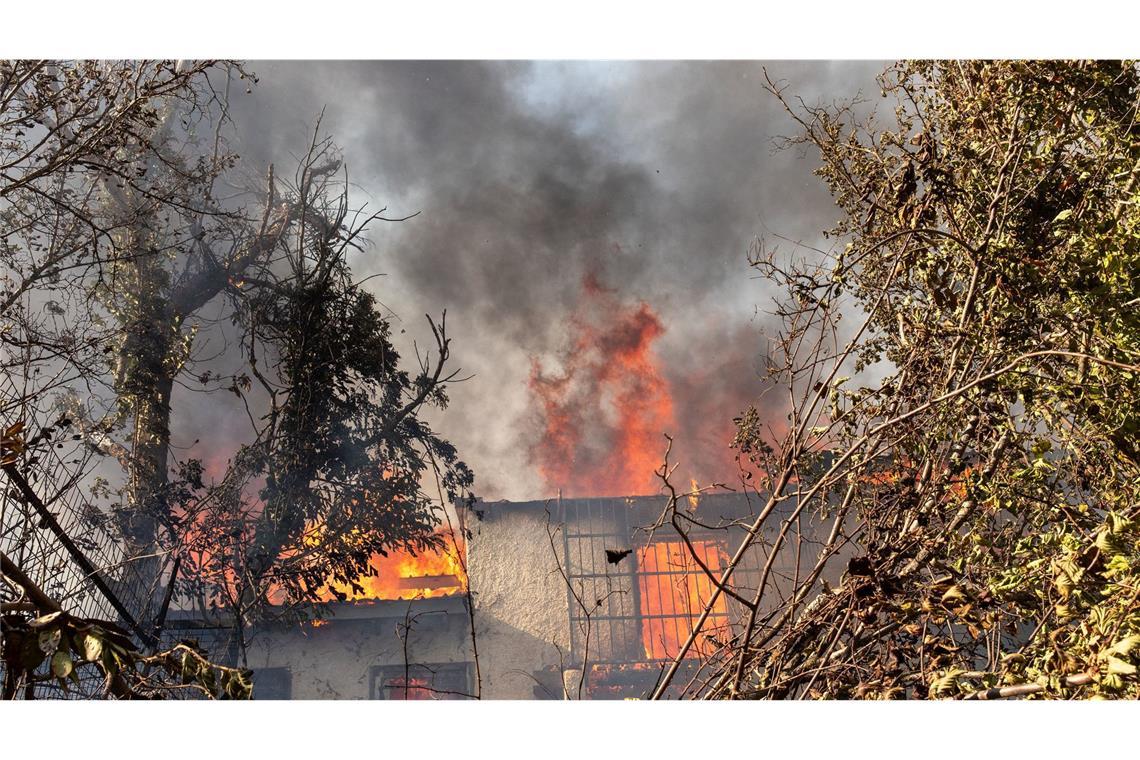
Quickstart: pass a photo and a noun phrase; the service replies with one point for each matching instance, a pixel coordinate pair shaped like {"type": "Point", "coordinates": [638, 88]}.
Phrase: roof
{"type": "Point", "coordinates": [729, 504]}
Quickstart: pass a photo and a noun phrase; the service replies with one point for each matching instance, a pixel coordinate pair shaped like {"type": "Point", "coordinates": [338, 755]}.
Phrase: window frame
{"type": "Point", "coordinates": [463, 672]}
{"type": "Point", "coordinates": [274, 671]}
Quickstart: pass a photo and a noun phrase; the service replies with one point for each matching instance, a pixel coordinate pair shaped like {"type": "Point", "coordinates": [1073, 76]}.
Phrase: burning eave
{"type": "Point", "coordinates": [367, 609]}
{"type": "Point", "coordinates": [643, 509]}
{"type": "Point", "coordinates": [406, 574]}
{"type": "Point", "coordinates": [329, 612]}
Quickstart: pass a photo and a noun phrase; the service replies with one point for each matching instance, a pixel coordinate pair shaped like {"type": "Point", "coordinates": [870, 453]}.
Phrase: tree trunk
{"type": "Point", "coordinates": [148, 363]}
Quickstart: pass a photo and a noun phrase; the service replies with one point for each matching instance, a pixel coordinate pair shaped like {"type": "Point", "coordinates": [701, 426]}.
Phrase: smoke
{"type": "Point", "coordinates": [527, 177]}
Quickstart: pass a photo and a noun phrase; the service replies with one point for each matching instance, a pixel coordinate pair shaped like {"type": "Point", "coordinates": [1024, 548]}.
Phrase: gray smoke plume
{"type": "Point", "coordinates": [655, 177]}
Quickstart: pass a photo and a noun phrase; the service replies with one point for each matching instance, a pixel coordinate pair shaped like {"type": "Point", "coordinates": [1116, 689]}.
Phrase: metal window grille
{"type": "Point", "coordinates": [642, 607]}
{"type": "Point", "coordinates": [674, 590]}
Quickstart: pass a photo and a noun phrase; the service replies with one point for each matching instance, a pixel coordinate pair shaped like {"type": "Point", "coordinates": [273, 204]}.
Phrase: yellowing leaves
{"type": "Point", "coordinates": [92, 648]}
{"type": "Point", "coordinates": [11, 443]}
{"type": "Point", "coordinates": [1119, 667]}
{"type": "Point", "coordinates": [61, 664]}
{"type": "Point", "coordinates": [1126, 645]}
{"type": "Point", "coordinates": [953, 596]}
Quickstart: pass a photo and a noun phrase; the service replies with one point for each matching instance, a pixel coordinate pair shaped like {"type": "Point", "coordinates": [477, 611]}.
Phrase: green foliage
{"type": "Point", "coordinates": [344, 465]}
{"type": "Point", "coordinates": [349, 453]}
{"type": "Point", "coordinates": [992, 241]}
{"type": "Point", "coordinates": [62, 648]}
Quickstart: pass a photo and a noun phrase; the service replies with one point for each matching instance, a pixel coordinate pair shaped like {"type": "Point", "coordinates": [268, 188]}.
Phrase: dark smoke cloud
{"type": "Point", "coordinates": [528, 176]}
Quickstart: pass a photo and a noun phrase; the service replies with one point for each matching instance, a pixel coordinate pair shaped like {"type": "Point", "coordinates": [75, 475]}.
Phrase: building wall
{"type": "Point", "coordinates": [520, 602]}
{"type": "Point", "coordinates": [520, 622]}
{"type": "Point", "coordinates": [522, 608]}
{"type": "Point", "coordinates": [336, 659]}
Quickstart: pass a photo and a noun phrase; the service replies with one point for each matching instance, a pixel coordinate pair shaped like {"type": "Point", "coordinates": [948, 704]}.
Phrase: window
{"type": "Point", "coordinates": [422, 682]}
{"type": "Point", "coordinates": [272, 683]}
{"type": "Point", "coordinates": [644, 592]}
{"type": "Point", "coordinates": [674, 590]}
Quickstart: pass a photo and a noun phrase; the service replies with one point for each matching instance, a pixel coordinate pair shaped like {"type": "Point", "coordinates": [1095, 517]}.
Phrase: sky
{"type": "Point", "coordinates": [529, 177]}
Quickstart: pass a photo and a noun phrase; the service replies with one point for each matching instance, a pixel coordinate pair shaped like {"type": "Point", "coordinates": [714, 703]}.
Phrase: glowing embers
{"type": "Point", "coordinates": [673, 590]}
{"type": "Point", "coordinates": [625, 680]}
{"type": "Point", "coordinates": [407, 575]}
{"type": "Point", "coordinates": [417, 682]}
{"type": "Point", "coordinates": [408, 688]}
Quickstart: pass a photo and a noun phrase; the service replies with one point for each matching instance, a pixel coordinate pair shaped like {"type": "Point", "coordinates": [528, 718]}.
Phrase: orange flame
{"type": "Point", "coordinates": [404, 574]}
{"type": "Point", "coordinates": [604, 415]}
{"type": "Point", "coordinates": [673, 592]}
{"type": "Point", "coordinates": [409, 689]}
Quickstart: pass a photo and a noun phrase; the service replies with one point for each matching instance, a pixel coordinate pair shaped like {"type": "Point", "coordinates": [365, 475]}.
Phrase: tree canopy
{"type": "Point", "coordinates": [963, 375]}
{"type": "Point", "coordinates": [125, 214]}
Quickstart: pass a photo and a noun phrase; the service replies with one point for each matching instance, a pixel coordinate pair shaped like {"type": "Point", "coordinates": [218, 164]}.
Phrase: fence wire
{"type": "Point", "coordinates": [57, 526]}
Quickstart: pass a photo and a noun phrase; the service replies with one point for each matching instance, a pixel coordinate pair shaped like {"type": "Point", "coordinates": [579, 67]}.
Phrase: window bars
{"type": "Point", "coordinates": [635, 596]}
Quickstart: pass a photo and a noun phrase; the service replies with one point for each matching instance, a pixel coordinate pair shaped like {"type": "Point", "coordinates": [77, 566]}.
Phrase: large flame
{"type": "Point", "coordinates": [404, 574]}
{"type": "Point", "coordinates": [674, 591]}
{"type": "Point", "coordinates": [605, 412]}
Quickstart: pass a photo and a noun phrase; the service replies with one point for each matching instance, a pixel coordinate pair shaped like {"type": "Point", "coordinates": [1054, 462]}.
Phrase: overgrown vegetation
{"type": "Point", "coordinates": [962, 372]}
{"type": "Point", "coordinates": [984, 494]}
{"type": "Point", "coordinates": [129, 229]}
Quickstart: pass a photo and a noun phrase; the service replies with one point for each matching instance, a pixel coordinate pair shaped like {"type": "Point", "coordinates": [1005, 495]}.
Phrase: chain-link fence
{"type": "Point", "coordinates": [57, 531]}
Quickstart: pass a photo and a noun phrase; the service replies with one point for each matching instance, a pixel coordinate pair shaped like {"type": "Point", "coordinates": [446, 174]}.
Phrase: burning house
{"type": "Point", "coordinates": [566, 598]}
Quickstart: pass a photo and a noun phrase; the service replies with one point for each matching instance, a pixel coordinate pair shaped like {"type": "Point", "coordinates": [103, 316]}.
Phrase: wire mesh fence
{"type": "Point", "coordinates": [57, 527]}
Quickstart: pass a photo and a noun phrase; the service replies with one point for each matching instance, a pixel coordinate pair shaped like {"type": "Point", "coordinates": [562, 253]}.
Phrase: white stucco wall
{"type": "Point", "coordinates": [335, 660]}
{"type": "Point", "coordinates": [522, 619]}
{"type": "Point", "coordinates": [520, 600]}
{"type": "Point", "coordinates": [521, 623]}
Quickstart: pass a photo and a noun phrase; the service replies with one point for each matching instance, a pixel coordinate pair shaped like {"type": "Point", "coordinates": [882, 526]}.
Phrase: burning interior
{"type": "Point", "coordinates": [406, 574]}
{"type": "Point", "coordinates": [577, 598]}
{"type": "Point", "coordinates": [567, 597]}
{"type": "Point", "coordinates": [635, 592]}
